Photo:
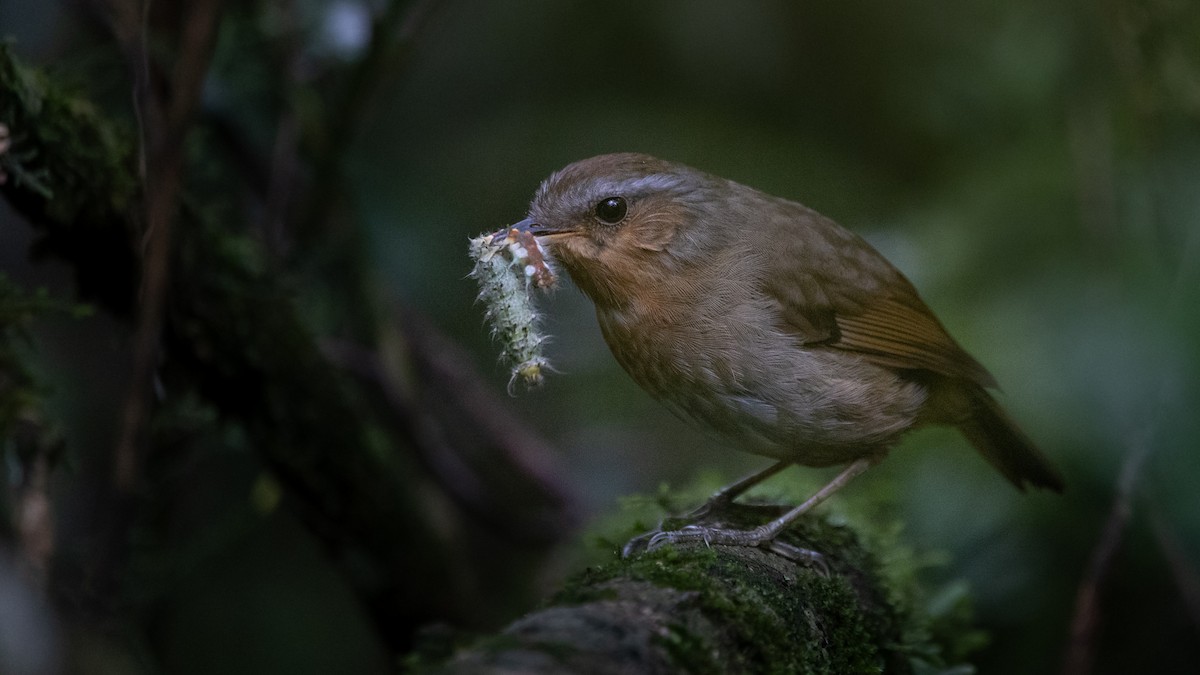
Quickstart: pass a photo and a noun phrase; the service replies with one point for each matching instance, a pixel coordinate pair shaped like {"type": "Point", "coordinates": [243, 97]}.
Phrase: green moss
{"type": "Point", "coordinates": [764, 626]}
{"type": "Point", "coordinates": [689, 651]}
{"type": "Point", "coordinates": [927, 629]}
{"type": "Point", "coordinates": [868, 613]}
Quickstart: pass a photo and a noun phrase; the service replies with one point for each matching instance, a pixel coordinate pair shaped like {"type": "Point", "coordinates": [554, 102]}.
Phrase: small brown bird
{"type": "Point", "coordinates": [764, 321]}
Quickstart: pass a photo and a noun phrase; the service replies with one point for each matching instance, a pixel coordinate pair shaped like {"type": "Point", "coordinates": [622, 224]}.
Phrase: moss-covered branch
{"type": "Point", "coordinates": [720, 609]}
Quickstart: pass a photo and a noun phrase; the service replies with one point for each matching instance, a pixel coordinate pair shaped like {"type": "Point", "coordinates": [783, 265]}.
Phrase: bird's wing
{"type": "Point", "coordinates": [857, 301]}
{"type": "Point", "coordinates": [905, 335]}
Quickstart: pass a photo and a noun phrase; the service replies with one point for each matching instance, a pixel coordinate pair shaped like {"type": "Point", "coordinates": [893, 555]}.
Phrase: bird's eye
{"type": "Point", "coordinates": [611, 210]}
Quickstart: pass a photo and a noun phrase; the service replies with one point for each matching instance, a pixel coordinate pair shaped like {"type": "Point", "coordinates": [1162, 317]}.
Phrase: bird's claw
{"type": "Point", "coordinates": [712, 536]}
{"type": "Point", "coordinates": [688, 533]}
{"type": "Point", "coordinates": [800, 556]}
{"type": "Point", "coordinates": [650, 541]}
{"type": "Point", "coordinates": [637, 545]}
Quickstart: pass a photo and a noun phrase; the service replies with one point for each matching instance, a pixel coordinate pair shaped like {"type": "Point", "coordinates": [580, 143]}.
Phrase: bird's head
{"type": "Point", "coordinates": [620, 222]}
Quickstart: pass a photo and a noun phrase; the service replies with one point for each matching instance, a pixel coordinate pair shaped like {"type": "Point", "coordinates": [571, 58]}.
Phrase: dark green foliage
{"type": "Point", "coordinates": [73, 174]}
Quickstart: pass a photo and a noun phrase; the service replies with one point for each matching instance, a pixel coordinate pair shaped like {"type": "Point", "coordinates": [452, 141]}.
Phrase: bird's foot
{"type": "Point", "coordinates": [705, 511]}
{"type": "Point", "coordinates": [759, 537]}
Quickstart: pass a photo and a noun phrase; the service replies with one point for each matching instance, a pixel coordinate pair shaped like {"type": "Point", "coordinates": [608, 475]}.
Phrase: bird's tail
{"type": "Point", "coordinates": [1005, 446]}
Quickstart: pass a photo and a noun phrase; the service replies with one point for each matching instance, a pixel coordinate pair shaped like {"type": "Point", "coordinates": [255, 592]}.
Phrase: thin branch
{"type": "Point", "coordinates": [392, 35]}
{"type": "Point", "coordinates": [285, 167]}
{"type": "Point", "coordinates": [164, 130]}
{"type": "Point", "coordinates": [1184, 572]}
{"type": "Point", "coordinates": [1081, 647]}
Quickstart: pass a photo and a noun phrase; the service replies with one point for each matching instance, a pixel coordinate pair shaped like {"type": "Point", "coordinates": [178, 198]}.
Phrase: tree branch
{"type": "Point", "coordinates": [695, 609]}
{"type": "Point", "coordinates": [164, 126]}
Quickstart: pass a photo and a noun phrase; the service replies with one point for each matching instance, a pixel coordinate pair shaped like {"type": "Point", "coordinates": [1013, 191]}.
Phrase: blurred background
{"type": "Point", "coordinates": [1033, 167]}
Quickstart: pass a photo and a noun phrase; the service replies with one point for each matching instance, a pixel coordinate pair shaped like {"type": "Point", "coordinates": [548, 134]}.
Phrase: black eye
{"type": "Point", "coordinates": [611, 210]}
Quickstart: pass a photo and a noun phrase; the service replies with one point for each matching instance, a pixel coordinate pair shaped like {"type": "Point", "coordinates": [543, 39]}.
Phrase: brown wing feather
{"type": "Point", "coordinates": [902, 336]}
{"type": "Point", "coordinates": [857, 301]}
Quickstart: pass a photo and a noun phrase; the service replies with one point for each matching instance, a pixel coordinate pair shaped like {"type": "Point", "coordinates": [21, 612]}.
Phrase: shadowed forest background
{"type": "Point", "coordinates": [252, 420]}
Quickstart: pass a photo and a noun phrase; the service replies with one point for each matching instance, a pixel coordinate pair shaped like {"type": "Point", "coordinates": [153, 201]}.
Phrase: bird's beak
{"type": "Point", "coordinates": [540, 231]}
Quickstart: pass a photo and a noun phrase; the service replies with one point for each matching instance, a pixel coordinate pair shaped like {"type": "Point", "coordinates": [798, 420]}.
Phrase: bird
{"type": "Point", "coordinates": [767, 324]}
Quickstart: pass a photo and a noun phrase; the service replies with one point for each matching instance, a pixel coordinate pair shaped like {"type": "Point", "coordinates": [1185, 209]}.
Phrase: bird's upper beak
{"type": "Point", "coordinates": [540, 231]}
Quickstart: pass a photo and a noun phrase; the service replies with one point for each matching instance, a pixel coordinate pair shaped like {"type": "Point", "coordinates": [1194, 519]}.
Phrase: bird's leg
{"type": "Point", "coordinates": [734, 490]}
{"type": "Point", "coordinates": [719, 500]}
{"type": "Point", "coordinates": [765, 535]}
